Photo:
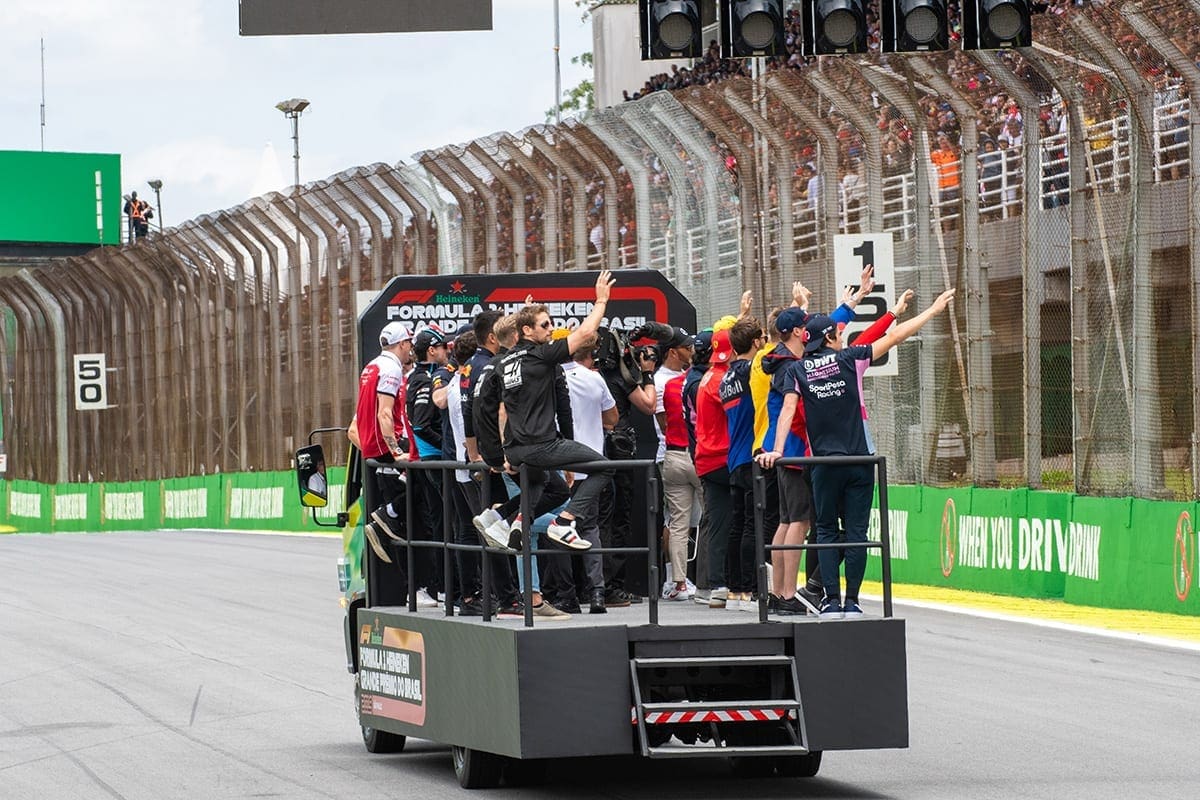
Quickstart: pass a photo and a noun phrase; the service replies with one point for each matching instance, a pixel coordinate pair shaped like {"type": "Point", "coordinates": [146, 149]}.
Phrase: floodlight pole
{"type": "Point", "coordinates": [292, 109]}
{"type": "Point", "coordinates": [294, 116]}
{"type": "Point", "coordinates": [557, 69]}
{"type": "Point", "coordinates": [157, 187]}
{"type": "Point", "coordinates": [558, 121]}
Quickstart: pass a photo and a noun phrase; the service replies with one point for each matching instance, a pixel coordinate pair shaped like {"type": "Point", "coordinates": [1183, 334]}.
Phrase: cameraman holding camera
{"type": "Point", "coordinates": [630, 379]}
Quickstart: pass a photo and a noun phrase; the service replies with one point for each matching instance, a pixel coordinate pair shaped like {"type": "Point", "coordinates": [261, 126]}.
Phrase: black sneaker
{"type": "Point", "coordinates": [372, 537]}
{"type": "Point", "coordinates": [569, 606]}
{"type": "Point", "coordinates": [773, 603]}
{"type": "Point", "coordinates": [470, 607]}
{"type": "Point", "coordinates": [391, 526]}
{"type": "Point", "coordinates": [597, 606]}
{"type": "Point", "coordinates": [513, 609]}
{"type": "Point", "coordinates": [617, 598]}
{"type": "Point", "coordinates": [623, 595]}
{"type": "Point", "coordinates": [789, 606]}
{"type": "Point", "coordinates": [811, 599]}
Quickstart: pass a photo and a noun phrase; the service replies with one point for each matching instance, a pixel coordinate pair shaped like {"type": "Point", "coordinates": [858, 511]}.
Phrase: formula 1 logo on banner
{"type": "Point", "coordinates": [949, 532]}
{"type": "Point", "coordinates": [568, 305]}
{"type": "Point", "coordinates": [1185, 556]}
{"type": "Point", "coordinates": [452, 301]}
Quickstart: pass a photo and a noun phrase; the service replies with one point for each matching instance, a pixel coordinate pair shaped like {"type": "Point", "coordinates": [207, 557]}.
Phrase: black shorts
{"type": "Point", "coordinates": [771, 511]}
{"type": "Point", "coordinates": [795, 495]}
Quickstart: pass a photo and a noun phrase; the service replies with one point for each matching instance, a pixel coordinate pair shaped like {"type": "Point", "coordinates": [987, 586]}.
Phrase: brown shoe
{"type": "Point", "coordinates": [615, 598]}
{"type": "Point", "coordinates": [547, 611]}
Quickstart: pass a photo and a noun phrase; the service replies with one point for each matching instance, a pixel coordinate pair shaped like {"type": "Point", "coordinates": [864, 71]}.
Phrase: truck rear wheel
{"type": "Point", "coordinates": [806, 766]}
{"type": "Point", "coordinates": [378, 741]}
{"type": "Point", "coordinates": [476, 769]}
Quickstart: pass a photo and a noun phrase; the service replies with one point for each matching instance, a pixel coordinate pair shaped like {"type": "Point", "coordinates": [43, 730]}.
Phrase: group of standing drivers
{"type": "Point", "coordinates": [515, 391]}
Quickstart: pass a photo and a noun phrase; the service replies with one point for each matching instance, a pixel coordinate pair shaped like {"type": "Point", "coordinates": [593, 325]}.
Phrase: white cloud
{"type": "Point", "coordinates": [170, 86]}
{"type": "Point", "coordinates": [269, 177]}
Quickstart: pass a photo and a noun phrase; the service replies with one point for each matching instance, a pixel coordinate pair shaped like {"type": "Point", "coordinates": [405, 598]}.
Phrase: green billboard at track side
{"type": "Point", "coordinates": [60, 198]}
{"type": "Point", "coordinates": [1095, 551]}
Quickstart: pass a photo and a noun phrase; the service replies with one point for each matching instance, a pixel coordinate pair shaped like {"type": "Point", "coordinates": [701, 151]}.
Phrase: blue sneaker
{"type": "Point", "coordinates": [831, 608]}
{"type": "Point", "coordinates": [852, 610]}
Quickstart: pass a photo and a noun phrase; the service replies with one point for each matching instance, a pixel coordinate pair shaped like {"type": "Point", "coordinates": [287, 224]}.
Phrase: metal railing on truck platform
{"type": "Point", "coordinates": [883, 545]}
{"type": "Point", "coordinates": [448, 546]}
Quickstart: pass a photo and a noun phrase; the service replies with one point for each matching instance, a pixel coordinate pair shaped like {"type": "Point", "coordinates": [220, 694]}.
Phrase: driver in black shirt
{"type": "Point", "coordinates": [528, 374]}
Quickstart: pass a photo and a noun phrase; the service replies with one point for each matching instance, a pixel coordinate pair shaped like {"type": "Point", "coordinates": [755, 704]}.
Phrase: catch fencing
{"type": "Point", "coordinates": [1060, 204]}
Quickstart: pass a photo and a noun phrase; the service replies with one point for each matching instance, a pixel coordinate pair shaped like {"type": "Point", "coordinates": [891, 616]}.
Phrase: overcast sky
{"type": "Point", "coordinates": [171, 87]}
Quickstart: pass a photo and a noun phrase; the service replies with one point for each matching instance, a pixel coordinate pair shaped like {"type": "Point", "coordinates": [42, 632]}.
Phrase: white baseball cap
{"type": "Point", "coordinates": [394, 333]}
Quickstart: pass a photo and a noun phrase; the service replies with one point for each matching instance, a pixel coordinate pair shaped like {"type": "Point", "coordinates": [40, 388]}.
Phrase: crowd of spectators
{"type": "Point", "coordinates": [999, 119]}
{"type": "Point", "coordinates": [935, 140]}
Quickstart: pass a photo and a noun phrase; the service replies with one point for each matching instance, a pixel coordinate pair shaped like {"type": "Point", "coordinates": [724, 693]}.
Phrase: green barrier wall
{"type": "Point", "coordinates": [1098, 551]}
{"type": "Point", "coordinates": [244, 501]}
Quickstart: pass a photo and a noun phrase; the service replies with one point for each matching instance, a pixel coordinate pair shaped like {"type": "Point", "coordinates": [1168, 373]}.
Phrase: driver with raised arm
{"type": "Point", "coordinates": [527, 374]}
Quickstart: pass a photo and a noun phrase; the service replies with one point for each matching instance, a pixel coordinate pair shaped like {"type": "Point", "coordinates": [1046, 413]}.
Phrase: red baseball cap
{"type": "Point", "coordinates": [722, 349]}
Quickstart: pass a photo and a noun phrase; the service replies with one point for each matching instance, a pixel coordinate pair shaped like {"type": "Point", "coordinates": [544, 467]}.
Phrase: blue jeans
{"type": "Point", "coordinates": [537, 529]}
{"type": "Point", "coordinates": [554, 455]}
{"type": "Point", "coordinates": [847, 490]}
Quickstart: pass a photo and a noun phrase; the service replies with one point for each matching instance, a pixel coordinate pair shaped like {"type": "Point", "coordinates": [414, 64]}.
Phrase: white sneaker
{"type": "Point", "coordinates": [719, 598]}
{"type": "Point", "coordinates": [426, 600]}
{"type": "Point", "coordinates": [676, 593]}
{"type": "Point", "coordinates": [496, 533]}
{"type": "Point", "coordinates": [567, 536]}
{"type": "Point", "coordinates": [516, 534]}
{"type": "Point", "coordinates": [483, 521]}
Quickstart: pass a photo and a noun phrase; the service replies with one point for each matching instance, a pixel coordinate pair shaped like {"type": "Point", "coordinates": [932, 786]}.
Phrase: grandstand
{"type": "Point", "coordinates": [1061, 205]}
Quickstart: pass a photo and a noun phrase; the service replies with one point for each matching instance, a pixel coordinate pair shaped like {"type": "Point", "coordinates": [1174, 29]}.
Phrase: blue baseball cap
{"type": "Point", "coordinates": [815, 330]}
{"type": "Point", "coordinates": [790, 319]}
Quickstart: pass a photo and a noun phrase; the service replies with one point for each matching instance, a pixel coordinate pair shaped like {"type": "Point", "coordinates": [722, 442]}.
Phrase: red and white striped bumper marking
{"type": "Point", "coordinates": [738, 715]}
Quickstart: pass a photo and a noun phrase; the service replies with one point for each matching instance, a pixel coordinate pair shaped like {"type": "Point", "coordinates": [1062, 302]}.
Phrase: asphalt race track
{"type": "Point", "coordinates": [210, 665]}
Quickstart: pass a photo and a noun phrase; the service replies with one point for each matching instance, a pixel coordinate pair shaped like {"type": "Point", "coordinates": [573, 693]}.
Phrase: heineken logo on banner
{"type": "Point", "coordinates": [949, 526]}
{"type": "Point", "coordinates": [1185, 556]}
{"type": "Point", "coordinates": [452, 301]}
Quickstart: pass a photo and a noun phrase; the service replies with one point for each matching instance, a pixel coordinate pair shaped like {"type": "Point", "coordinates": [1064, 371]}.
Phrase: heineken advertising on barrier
{"type": "Point", "coordinates": [450, 301]}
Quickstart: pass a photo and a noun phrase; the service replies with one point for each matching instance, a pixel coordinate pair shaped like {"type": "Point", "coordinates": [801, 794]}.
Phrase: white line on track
{"type": "Point", "coordinates": [294, 534]}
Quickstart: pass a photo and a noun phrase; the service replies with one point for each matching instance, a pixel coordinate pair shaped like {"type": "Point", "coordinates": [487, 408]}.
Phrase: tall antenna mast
{"type": "Point", "coordinates": [43, 43]}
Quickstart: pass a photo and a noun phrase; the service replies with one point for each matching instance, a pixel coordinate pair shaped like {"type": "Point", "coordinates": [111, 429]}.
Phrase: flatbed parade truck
{"type": "Point", "coordinates": [657, 680]}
